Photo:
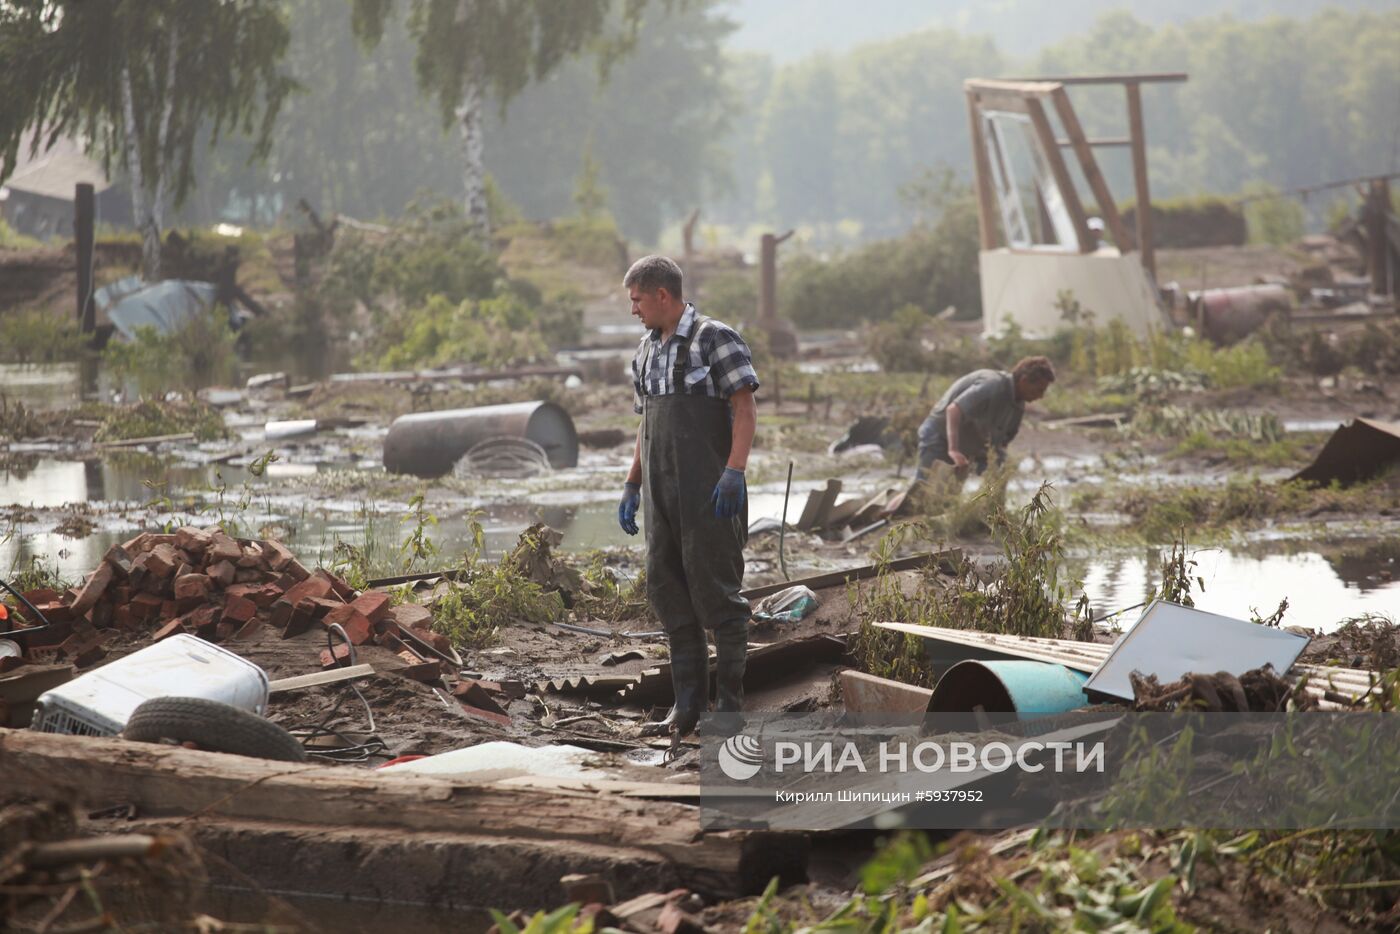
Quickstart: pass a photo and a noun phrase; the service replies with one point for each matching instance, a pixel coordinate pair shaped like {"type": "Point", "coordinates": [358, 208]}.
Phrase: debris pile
{"type": "Point", "coordinates": [1259, 690]}
{"type": "Point", "coordinates": [222, 589]}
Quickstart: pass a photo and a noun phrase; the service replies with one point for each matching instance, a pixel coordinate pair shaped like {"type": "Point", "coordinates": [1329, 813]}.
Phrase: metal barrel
{"type": "Point", "coordinates": [428, 444]}
{"type": "Point", "coordinates": [1022, 687]}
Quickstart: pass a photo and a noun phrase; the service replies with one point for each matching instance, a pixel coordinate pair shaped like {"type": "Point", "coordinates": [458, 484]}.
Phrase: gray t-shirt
{"type": "Point", "coordinates": [991, 416]}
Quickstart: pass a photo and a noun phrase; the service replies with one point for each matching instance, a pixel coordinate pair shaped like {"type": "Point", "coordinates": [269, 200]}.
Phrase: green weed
{"type": "Point", "coordinates": [199, 353]}
{"type": "Point", "coordinates": [153, 418]}
{"type": "Point", "coordinates": [38, 336]}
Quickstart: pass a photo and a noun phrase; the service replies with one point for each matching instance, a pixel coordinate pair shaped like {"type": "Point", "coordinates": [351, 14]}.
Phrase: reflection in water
{"type": "Point", "coordinates": [1322, 590]}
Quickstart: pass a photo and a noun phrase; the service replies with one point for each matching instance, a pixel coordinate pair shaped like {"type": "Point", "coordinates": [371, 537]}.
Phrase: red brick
{"type": "Point", "coordinates": [162, 560]}
{"type": "Point", "coordinates": [193, 586]}
{"type": "Point", "coordinates": [124, 618]}
{"type": "Point", "coordinates": [340, 659]}
{"type": "Point", "coordinates": [411, 616]}
{"type": "Point", "coordinates": [427, 672]}
{"type": "Point", "coordinates": [170, 609]}
{"type": "Point", "coordinates": [252, 556]}
{"type": "Point", "coordinates": [224, 549]}
{"type": "Point", "coordinates": [266, 595]}
{"type": "Point", "coordinates": [342, 590]}
{"type": "Point", "coordinates": [203, 621]}
{"type": "Point", "coordinates": [92, 591]}
{"type": "Point", "coordinates": [137, 545]}
{"type": "Point", "coordinates": [302, 618]}
{"type": "Point", "coordinates": [225, 630]}
{"type": "Point", "coordinates": [193, 540]}
{"type": "Point", "coordinates": [145, 607]}
{"type": "Point", "coordinates": [356, 626]}
{"type": "Point", "coordinates": [276, 555]}
{"type": "Point", "coordinates": [168, 630]}
{"type": "Point", "coordinates": [311, 587]}
{"type": "Point", "coordinates": [373, 604]}
{"type": "Point", "coordinates": [119, 559]}
{"type": "Point", "coordinates": [184, 604]}
{"type": "Point", "coordinates": [239, 609]}
{"type": "Point", "coordinates": [296, 571]}
{"type": "Point", "coordinates": [53, 612]}
{"type": "Point", "coordinates": [325, 605]}
{"type": "Point", "coordinates": [100, 616]}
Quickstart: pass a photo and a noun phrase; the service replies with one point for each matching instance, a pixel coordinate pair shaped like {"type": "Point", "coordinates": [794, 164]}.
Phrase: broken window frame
{"type": "Point", "coordinates": [1030, 97]}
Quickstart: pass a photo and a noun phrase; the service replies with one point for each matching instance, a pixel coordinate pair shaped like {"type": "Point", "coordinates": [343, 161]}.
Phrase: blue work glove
{"type": "Point", "coordinates": [730, 494]}
{"type": "Point", "coordinates": [627, 509]}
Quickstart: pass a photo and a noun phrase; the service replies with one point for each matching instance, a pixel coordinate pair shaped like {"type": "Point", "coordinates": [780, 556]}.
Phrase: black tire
{"type": "Point", "coordinates": [212, 725]}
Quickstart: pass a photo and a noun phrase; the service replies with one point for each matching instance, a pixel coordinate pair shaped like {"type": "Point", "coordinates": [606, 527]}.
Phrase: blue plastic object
{"type": "Point", "coordinates": [1022, 687]}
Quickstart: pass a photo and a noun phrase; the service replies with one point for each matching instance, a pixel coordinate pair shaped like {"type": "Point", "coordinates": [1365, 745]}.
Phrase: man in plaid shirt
{"type": "Point", "coordinates": [693, 382]}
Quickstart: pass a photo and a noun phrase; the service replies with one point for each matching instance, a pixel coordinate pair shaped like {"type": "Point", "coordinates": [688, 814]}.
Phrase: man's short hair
{"type": "Point", "coordinates": [1035, 369]}
{"type": "Point", "coordinates": [654, 272]}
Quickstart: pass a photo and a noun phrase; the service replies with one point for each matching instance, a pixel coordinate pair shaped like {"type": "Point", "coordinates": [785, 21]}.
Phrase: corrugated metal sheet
{"type": "Point", "coordinates": [1353, 683]}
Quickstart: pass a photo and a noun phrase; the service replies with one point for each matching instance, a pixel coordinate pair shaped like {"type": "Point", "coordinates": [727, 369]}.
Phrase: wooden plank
{"type": "Point", "coordinates": [170, 781]}
{"type": "Point", "coordinates": [1012, 88]}
{"type": "Point", "coordinates": [1151, 78]}
{"type": "Point", "coordinates": [29, 682]}
{"type": "Point", "coordinates": [153, 439]}
{"type": "Point", "coordinates": [1068, 193]}
{"type": "Point", "coordinates": [850, 575]}
{"type": "Point", "coordinates": [319, 678]}
{"type": "Point", "coordinates": [982, 175]}
{"type": "Point", "coordinates": [1108, 208]}
{"type": "Point", "coordinates": [1144, 196]}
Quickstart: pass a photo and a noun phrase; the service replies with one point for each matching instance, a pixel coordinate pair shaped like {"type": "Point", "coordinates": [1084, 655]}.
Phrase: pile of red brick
{"type": "Point", "coordinates": [219, 588]}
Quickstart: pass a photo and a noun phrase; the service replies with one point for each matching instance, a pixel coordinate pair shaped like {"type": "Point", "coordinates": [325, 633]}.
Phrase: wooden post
{"type": "Point", "coordinates": [982, 172]}
{"type": "Point", "coordinates": [767, 279]}
{"type": "Point", "coordinates": [1082, 149]}
{"type": "Point", "coordinates": [1144, 197]}
{"type": "Point", "coordinates": [1068, 195]}
{"type": "Point", "coordinates": [1377, 206]}
{"type": "Point", "coordinates": [782, 341]}
{"type": "Point", "coordinates": [83, 217]}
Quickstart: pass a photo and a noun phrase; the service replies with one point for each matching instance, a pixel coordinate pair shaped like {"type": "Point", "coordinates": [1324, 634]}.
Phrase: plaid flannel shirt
{"type": "Point", "coordinates": [719, 364]}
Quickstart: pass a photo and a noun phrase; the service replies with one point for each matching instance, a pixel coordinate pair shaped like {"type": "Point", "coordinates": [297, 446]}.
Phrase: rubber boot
{"type": "Point", "coordinates": [690, 677]}
{"type": "Point", "coordinates": [732, 655]}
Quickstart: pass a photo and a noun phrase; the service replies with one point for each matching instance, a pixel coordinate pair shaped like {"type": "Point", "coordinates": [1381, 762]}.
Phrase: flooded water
{"type": "Point", "coordinates": [1325, 583]}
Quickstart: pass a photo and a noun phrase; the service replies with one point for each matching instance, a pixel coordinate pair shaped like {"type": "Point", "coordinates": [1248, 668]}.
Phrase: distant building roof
{"type": "Point", "coordinates": [54, 173]}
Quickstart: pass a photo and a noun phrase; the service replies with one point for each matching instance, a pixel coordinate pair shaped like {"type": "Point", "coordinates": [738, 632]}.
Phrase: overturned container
{"type": "Point", "coordinates": [1025, 688]}
{"type": "Point", "coordinates": [428, 444]}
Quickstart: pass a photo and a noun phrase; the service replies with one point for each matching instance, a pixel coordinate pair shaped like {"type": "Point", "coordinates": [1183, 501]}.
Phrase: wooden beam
{"type": "Point", "coordinates": [1017, 88]}
{"type": "Point", "coordinates": [170, 781]}
{"type": "Point", "coordinates": [982, 172]}
{"type": "Point", "coordinates": [1159, 78]}
{"type": "Point", "coordinates": [1060, 171]}
{"type": "Point", "coordinates": [1090, 166]}
{"type": "Point", "coordinates": [1098, 143]}
{"type": "Point", "coordinates": [1144, 197]}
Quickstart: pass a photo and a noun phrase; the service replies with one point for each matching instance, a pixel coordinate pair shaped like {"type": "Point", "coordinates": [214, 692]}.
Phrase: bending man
{"type": "Point", "coordinates": [694, 382]}
{"type": "Point", "coordinates": [980, 414]}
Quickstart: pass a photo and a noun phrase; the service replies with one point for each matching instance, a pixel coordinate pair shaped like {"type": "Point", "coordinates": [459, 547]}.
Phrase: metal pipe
{"type": "Point", "coordinates": [428, 444]}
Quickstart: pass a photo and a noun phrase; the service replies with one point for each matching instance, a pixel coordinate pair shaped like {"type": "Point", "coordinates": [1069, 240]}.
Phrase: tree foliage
{"type": "Point", "coordinates": [191, 67]}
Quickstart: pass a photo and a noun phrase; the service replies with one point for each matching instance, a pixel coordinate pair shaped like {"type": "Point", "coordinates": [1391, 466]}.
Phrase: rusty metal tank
{"type": "Point", "coordinates": [428, 444]}
{"type": "Point", "coordinates": [1229, 315]}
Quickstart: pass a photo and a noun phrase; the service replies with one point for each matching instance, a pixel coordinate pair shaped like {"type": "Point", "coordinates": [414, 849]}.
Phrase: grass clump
{"type": "Point", "coordinates": [1024, 594]}
{"type": "Point", "coordinates": [199, 353]}
{"type": "Point", "coordinates": [38, 336]}
{"type": "Point", "coordinates": [18, 421]}
{"type": "Point", "coordinates": [152, 418]}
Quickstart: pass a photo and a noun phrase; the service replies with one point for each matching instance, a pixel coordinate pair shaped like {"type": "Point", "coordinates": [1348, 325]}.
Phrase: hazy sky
{"type": "Point", "coordinates": [791, 29]}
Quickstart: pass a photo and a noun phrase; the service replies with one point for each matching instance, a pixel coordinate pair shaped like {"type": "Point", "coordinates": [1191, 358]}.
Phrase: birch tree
{"type": "Point", "coordinates": [472, 50]}
{"type": "Point", "coordinates": [140, 81]}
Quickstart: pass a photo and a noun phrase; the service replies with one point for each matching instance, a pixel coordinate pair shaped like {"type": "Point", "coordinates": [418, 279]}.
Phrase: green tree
{"type": "Point", "coordinates": [468, 49]}
{"type": "Point", "coordinates": [141, 80]}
